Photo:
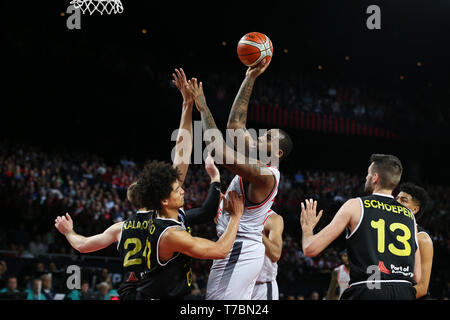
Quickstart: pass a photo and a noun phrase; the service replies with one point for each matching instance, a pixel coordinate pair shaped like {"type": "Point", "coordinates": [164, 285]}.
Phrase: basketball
{"type": "Point", "coordinates": [254, 47]}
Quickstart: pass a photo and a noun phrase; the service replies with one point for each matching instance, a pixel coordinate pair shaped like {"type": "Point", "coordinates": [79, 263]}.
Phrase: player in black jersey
{"type": "Point", "coordinates": [134, 235]}
{"type": "Point", "coordinates": [169, 245]}
{"type": "Point", "coordinates": [381, 236]}
{"type": "Point", "coordinates": [415, 198]}
{"type": "Point", "coordinates": [134, 243]}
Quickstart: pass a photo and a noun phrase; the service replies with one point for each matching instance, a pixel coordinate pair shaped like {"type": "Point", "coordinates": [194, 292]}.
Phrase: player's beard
{"type": "Point", "coordinates": [368, 188]}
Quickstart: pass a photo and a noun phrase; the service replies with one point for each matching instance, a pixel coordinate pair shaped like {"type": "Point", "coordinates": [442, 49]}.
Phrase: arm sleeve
{"type": "Point", "coordinates": [208, 210]}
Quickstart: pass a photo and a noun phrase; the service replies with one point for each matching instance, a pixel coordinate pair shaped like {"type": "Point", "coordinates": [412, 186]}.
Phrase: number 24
{"type": "Point", "coordinates": [137, 248]}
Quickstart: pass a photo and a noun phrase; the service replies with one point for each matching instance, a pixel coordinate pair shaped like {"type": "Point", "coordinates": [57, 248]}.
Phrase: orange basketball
{"type": "Point", "coordinates": [254, 47]}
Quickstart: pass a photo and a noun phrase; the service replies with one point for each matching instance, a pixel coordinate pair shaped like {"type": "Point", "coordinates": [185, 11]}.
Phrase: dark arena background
{"type": "Point", "coordinates": [83, 109]}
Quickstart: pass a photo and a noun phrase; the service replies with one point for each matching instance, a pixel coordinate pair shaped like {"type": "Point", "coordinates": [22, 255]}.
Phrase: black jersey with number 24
{"type": "Point", "coordinates": [152, 278]}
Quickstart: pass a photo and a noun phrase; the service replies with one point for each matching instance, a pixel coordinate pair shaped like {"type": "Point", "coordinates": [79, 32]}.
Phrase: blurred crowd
{"type": "Point", "coordinates": [324, 95]}
{"type": "Point", "coordinates": [46, 281]}
{"type": "Point", "coordinates": [36, 186]}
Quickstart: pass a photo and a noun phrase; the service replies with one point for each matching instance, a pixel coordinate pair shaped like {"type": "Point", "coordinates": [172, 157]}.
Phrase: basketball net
{"type": "Point", "coordinates": [101, 6]}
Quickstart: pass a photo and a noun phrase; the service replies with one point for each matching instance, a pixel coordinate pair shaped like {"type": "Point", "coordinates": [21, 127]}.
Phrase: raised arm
{"type": "Point", "coordinates": [183, 147]}
{"type": "Point", "coordinates": [274, 241]}
{"type": "Point", "coordinates": [238, 114]}
{"type": "Point", "coordinates": [64, 224]}
{"type": "Point", "coordinates": [313, 244]}
{"type": "Point", "coordinates": [178, 240]}
{"type": "Point", "coordinates": [251, 170]}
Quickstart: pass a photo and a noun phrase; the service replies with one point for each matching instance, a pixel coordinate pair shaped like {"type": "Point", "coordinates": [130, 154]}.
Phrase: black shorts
{"type": "Point", "coordinates": [128, 295]}
{"type": "Point", "coordinates": [132, 294]}
{"type": "Point", "coordinates": [127, 291]}
{"type": "Point", "coordinates": [387, 291]}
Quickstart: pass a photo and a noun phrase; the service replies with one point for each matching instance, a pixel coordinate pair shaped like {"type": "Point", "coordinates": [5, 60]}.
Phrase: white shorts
{"type": "Point", "coordinates": [234, 277]}
{"type": "Point", "coordinates": [266, 291]}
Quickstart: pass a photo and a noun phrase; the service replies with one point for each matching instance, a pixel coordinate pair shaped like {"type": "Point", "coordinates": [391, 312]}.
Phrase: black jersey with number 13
{"type": "Point", "coordinates": [384, 241]}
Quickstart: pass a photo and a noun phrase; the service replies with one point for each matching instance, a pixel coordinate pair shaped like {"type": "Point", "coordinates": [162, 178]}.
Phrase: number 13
{"type": "Point", "coordinates": [380, 227]}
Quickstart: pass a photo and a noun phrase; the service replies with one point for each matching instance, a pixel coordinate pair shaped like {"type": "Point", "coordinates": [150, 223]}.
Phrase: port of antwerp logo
{"type": "Point", "coordinates": [383, 268]}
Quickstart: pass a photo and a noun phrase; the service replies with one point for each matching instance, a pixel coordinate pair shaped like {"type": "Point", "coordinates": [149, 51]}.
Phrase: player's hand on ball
{"type": "Point", "coordinates": [257, 70]}
{"type": "Point", "coordinates": [308, 218]}
{"type": "Point", "coordinates": [234, 204]}
{"type": "Point", "coordinates": [64, 224]}
{"type": "Point", "coordinates": [180, 81]}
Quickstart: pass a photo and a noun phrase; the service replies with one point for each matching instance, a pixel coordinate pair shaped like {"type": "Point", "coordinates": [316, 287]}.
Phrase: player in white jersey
{"type": "Point", "coordinates": [340, 277]}
{"type": "Point", "coordinates": [266, 287]}
{"type": "Point", "coordinates": [234, 277]}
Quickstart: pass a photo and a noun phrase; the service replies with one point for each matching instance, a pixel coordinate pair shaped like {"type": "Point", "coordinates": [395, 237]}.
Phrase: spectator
{"type": "Point", "coordinates": [11, 291]}
{"type": "Point", "coordinates": [58, 277]}
{"type": "Point", "coordinates": [35, 293]}
{"type": "Point", "coordinates": [314, 296]}
{"type": "Point", "coordinates": [103, 292]}
{"type": "Point", "coordinates": [47, 288]}
{"type": "Point", "coordinates": [85, 293]}
{"type": "Point", "coordinates": [104, 277]}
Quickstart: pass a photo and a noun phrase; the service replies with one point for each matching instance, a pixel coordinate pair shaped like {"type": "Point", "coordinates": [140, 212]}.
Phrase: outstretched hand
{"type": "Point", "coordinates": [196, 89]}
{"type": "Point", "coordinates": [308, 218]}
{"type": "Point", "coordinates": [180, 81]}
{"type": "Point", "coordinates": [64, 224]}
{"type": "Point", "coordinates": [257, 70]}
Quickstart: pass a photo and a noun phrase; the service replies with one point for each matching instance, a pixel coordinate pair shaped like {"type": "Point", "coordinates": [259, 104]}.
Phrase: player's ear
{"type": "Point", "coordinates": [375, 178]}
{"type": "Point", "coordinates": [280, 153]}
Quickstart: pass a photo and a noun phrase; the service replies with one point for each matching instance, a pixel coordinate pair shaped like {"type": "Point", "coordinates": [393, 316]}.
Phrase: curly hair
{"type": "Point", "coordinates": [155, 184]}
{"type": "Point", "coordinates": [418, 194]}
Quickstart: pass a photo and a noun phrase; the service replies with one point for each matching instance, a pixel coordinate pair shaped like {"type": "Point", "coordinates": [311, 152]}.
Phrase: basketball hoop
{"type": "Point", "coordinates": [101, 6]}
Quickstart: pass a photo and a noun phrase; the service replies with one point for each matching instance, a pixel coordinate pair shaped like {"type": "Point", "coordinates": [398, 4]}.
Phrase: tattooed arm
{"type": "Point", "coordinates": [251, 170]}
{"type": "Point", "coordinates": [238, 114]}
